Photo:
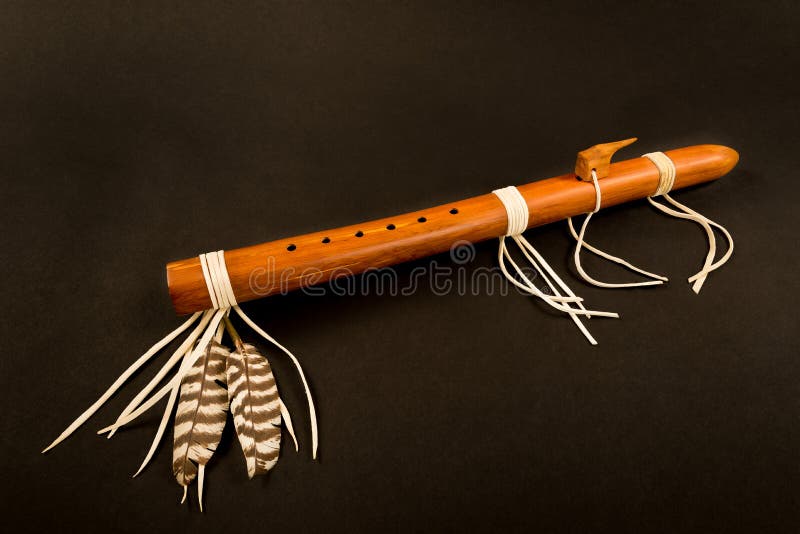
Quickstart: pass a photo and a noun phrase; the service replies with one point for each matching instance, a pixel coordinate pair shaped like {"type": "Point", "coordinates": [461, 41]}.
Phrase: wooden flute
{"type": "Point", "coordinates": [287, 264]}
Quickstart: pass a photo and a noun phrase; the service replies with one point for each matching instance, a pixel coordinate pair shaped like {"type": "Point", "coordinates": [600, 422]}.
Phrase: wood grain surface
{"type": "Point", "coordinates": [287, 264]}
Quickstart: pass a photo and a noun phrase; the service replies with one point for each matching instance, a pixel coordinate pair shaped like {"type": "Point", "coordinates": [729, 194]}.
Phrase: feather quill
{"type": "Point", "coordinates": [256, 407]}
{"type": "Point", "coordinates": [200, 416]}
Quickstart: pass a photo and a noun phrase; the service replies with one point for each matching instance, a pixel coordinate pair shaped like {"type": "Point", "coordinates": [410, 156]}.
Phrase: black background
{"type": "Point", "coordinates": [132, 135]}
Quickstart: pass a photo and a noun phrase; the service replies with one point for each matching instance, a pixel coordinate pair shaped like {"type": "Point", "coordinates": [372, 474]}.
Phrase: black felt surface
{"type": "Point", "coordinates": [132, 135]}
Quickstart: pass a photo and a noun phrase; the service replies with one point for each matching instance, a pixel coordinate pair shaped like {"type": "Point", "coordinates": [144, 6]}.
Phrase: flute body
{"type": "Point", "coordinates": [315, 258]}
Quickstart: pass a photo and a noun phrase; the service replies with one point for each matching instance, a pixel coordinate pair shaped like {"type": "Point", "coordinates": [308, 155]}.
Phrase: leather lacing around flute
{"type": "Point", "coordinates": [207, 325]}
{"type": "Point", "coordinates": [221, 292]}
{"type": "Point", "coordinates": [666, 180]}
{"type": "Point", "coordinates": [562, 297]}
{"type": "Point", "coordinates": [657, 279]}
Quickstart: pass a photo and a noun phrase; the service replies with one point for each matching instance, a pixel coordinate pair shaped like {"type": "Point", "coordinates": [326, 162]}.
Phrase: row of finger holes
{"type": "Point", "coordinates": [326, 240]}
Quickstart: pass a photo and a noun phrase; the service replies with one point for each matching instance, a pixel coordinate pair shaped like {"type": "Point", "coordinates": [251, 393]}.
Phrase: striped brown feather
{"type": "Point", "coordinates": [201, 414]}
{"type": "Point", "coordinates": [256, 408]}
